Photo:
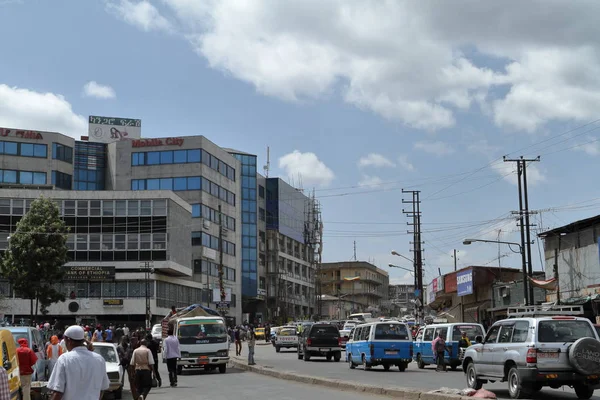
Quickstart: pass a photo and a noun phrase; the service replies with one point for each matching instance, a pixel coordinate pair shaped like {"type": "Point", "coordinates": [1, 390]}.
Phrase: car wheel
{"type": "Point", "coordinates": [402, 367]}
{"type": "Point", "coordinates": [386, 367]}
{"type": "Point", "coordinates": [420, 362]}
{"type": "Point", "coordinates": [222, 368]}
{"type": "Point", "coordinates": [472, 381]}
{"type": "Point", "coordinates": [516, 389]}
{"type": "Point", "coordinates": [337, 356]}
{"type": "Point", "coordinates": [306, 356]}
{"type": "Point", "coordinates": [365, 365]}
{"type": "Point", "coordinates": [583, 391]}
{"type": "Point", "coordinates": [350, 362]}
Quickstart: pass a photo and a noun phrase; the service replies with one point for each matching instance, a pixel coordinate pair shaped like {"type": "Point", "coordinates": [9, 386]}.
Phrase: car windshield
{"type": "Point", "coordinates": [157, 329]}
{"type": "Point", "coordinates": [201, 329]}
{"type": "Point", "coordinates": [108, 353]}
{"type": "Point", "coordinates": [287, 332]}
{"type": "Point", "coordinates": [563, 331]}
{"type": "Point", "coordinates": [391, 332]}
{"type": "Point", "coordinates": [20, 335]}
{"type": "Point", "coordinates": [472, 332]}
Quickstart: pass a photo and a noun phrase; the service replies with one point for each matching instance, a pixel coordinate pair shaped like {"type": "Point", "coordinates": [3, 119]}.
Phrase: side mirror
{"type": "Point", "coordinates": [479, 339]}
{"type": "Point", "coordinates": [7, 365]}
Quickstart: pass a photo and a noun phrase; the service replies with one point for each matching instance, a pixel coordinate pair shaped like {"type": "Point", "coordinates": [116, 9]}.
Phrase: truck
{"type": "Point", "coordinates": [286, 338]}
{"type": "Point", "coordinates": [203, 339]}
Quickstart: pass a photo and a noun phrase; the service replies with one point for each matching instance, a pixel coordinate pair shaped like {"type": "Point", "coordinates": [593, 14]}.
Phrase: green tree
{"type": "Point", "coordinates": [36, 254]}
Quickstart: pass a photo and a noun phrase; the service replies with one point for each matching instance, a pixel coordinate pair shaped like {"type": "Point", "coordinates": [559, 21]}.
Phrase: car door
{"type": "Point", "coordinates": [426, 352]}
{"type": "Point", "coordinates": [356, 344]}
{"type": "Point", "coordinates": [489, 347]}
{"type": "Point", "coordinates": [502, 348]}
{"type": "Point", "coordinates": [418, 344]}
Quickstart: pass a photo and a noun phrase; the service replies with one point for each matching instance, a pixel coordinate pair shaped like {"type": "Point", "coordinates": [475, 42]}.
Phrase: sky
{"type": "Point", "coordinates": [356, 101]}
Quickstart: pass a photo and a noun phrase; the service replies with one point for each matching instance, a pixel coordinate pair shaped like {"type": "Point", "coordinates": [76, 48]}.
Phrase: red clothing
{"type": "Point", "coordinates": [26, 357]}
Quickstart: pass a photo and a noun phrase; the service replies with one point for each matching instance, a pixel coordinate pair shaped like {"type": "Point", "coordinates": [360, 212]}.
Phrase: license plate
{"type": "Point", "coordinates": [203, 360]}
{"type": "Point", "coordinates": [548, 356]}
{"type": "Point", "coordinates": [391, 352]}
{"type": "Point", "coordinates": [323, 350]}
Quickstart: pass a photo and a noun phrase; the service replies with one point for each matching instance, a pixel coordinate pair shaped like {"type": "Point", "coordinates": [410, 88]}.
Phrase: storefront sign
{"type": "Point", "coordinates": [464, 283]}
{"type": "Point", "coordinates": [21, 134]}
{"type": "Point", "coordinates": [450, 283]}
{"type": "Point", "coordinates": [430, 293]}
{"type": "Point", "coordinates": [112, 302]}
{"type": "Point", "coordinates": [438, 284]}
{"type": "Point", "coordinates": [261, 292]}
{"type": "Point", "coordinates": [157, 142]}
{"type": "Point", "coordinates": [89, 273]}
{"type": "Point", "coordinates": [108, 129]}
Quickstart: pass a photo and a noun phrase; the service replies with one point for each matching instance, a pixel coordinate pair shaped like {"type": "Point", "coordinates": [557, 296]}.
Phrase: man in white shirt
{"type": "Point", "coordinates": [79, 374]}
{"type": "Point", "coordinates": [172, 354]}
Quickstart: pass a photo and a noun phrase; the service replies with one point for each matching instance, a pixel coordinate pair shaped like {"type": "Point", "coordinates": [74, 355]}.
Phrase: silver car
{"type": "Point", "coordinates": [530, 353]}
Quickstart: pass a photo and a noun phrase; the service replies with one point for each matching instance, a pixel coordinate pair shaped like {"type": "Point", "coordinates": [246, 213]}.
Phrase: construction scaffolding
{"type": "Point", "coordinates": [313, 238]}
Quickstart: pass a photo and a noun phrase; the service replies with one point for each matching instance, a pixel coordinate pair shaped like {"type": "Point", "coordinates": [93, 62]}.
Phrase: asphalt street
{"type": "Point", "coordinates": [413, 377]}
{"type": "Point", "coordinates": [240, 385]}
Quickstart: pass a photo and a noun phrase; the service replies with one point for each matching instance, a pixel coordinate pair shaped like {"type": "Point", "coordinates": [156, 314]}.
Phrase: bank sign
{"type": "Point", "coordinates": [464, 283]}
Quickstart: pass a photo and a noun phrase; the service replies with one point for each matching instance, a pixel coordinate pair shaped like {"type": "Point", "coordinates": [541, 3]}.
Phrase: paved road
{"type": "Point", "coordinates": [241, 385]}
{"type": "Point", "coordinates": [412, 377]}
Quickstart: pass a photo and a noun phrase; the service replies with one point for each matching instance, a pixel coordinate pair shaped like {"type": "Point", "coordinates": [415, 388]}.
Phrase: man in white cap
{"type": "Point", "coordinates": [79, 374]}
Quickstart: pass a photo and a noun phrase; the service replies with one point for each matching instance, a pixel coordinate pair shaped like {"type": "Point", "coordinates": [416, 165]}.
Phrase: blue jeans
{"type": "Point", "coordinates": [250, 355]}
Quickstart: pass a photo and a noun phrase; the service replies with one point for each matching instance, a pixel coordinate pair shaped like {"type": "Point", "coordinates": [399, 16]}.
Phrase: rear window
{"type": "Point", "coordinates": [391, 332]}
{"type": "Point", "coordinates": [287, 332]}
{"type": "Point", "coordinates": [324, 331]}
{"type": "Point", "coordinates": [563, 331]}
{"type": "Point", "coordinates": [472, 332]}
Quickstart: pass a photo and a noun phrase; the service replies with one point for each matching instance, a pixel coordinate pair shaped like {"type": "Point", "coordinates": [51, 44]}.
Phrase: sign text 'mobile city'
{"type": "Point", "coordinates": [157, 142]}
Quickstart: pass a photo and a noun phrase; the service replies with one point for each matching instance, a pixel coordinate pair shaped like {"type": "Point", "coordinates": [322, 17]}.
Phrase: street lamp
{"type": "Point", "coordinates": [395, 253]}
{"type": "Point", "coordinates": [406, 269]}
{"type": "Point", "coordinates": [467, 242]}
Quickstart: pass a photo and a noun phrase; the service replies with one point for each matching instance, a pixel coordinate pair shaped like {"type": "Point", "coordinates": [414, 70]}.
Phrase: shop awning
{"type": "Point", "coordinates": [549, 284]}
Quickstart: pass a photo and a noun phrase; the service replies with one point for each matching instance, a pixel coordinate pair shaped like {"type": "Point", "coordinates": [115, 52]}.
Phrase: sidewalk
{"type": "Point", "coordinates": [396, 392]}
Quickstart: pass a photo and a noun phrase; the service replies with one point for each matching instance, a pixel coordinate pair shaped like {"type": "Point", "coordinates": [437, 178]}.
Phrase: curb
{"type": "Point", "coordinates": [397, 392]}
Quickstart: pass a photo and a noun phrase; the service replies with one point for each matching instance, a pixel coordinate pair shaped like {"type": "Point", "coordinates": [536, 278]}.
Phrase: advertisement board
{"type": "Point", "coordinates": [439, 284]}
{"type": "Point", "coordinates": [464, 283]}
{"type": "Point", "coordinates": [108, 129]}
{"type": "Point", "coordinates": [86, 273]}
{"type": "Point", "coordinates": [217, 295]}
{"type": "Point", "coordinates": [430, 293]}
{"type": "Point", "coordinates": [450, 283]}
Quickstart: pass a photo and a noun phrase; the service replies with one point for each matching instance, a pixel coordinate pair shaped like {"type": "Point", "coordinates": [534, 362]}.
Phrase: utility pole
{"type": "Point", "coordinates": [147, 268]}
{"type": "Point", "coordinates": [454, 260]}
{"type": "Point", "coordinates": [524, 226]}
{"type": "Point", "coordinates": [415, 213]}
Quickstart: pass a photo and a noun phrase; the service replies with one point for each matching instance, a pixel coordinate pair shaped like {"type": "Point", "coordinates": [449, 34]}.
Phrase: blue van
{"type": "Point", "coordinates": [380, 343]}
{"type": "Point", "coordinates": [452, 333]}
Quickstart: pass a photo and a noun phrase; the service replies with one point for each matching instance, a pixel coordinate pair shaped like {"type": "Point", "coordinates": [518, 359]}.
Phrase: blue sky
{"type": "Point", "coordinates": [354, 101]}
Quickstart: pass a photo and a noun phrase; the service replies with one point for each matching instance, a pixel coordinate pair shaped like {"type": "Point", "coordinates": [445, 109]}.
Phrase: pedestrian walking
{"type": "Point", "coordinates": [154, 347]}
{"type": "Point", "coordinates": [267, 333]}
{"type": "Point", "coordinates": [143, 361]}
{"type": "Point", "coordinates": [122, 352]}
{"type": "Point", "coordinates": [238, 341]}
{"type": "Point", "coordinates": [27, 360]}
{"type": "Point", "coordinates": [134, 344]}
{"type": "Point", "coordinates": [53, 351]}
{"type": "Point", "coordinates": [251, 344]}
{"type": "Point", "coordinates": [4, 388]}
{"type": "Point", "coordinates": [79, 374]}
{"type": "Point", "coordinates": [439, 347]}
{"type": "Point", "coordinates": [172, 353]}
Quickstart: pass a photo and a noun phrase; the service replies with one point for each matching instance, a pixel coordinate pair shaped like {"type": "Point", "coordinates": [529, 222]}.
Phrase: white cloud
{"type": "Point", "coordinates": [404, 162]}
{"type": "Point", "coordinates": [308, 167]}
{"type": "Point", "coordinates": [508, 171]}
{"type": "Point", "coordinates": [434, 147]}
{"type": "Point", "coordinates": [94, 89]}
{"type": "Point", "coordinates": [141, 14]}
{"type": "Point", "coordinates": [590, 147]}
{"type": "Point", "coordinates": [27, 109]}
{"type": "Point", "coordinates": [375, 160]}
{"type": "Point", "coordinates": [370, 180]}
{"type": "Point", "coordinates": [404, 279]}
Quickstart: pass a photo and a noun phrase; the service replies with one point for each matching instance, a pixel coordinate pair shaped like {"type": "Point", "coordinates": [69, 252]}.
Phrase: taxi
{"type": "Point", "coordinates": [259, 333]}
{"type": "Point", "coordinates": [10, 362]}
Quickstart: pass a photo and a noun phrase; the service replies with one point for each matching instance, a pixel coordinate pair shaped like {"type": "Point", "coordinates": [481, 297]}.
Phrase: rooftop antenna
{"type": "Point", "coordinates": [267, 167]}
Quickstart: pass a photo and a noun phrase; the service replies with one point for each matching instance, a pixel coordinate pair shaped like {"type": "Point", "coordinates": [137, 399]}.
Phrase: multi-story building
{"type": "Point", "coordinates": [400, 297]}
{"type": "Point", "coordinates": [218, 185]}
{"type": "Point", "coordinates": [363, 283]}
{"type": "Point", "coordinates": [288, 250]}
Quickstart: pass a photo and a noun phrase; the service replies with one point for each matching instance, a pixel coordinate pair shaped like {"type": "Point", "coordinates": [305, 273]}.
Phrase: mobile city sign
{"type": "Point", "coordinates": [464, 283]}
{"type": "Point", "coordinates": [108, 129]}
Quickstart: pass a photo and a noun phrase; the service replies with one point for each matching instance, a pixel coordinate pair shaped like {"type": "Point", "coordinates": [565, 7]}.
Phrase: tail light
{"type": "Point", "coordinates": [309, 342]}
{"type": "Point", "coordinates": [372, 349]}
{"type": "Point", "coordinates": [531, 356]}
{"type": "Point", "coordinates": [411, 350]}
{"type": "Point", "coordinates": [340, 341]}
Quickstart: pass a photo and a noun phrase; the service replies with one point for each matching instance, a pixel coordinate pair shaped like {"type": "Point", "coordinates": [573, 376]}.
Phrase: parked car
{"type": "Point", "coordinates": [10, 363]}
{"type": "Point", "coordinates": [532, 352]}
{"type": "Point", "coordinates": [320, 340]}
{"type": "Point", "coordinates": [114, 370]}
{"type": "Point", "coordinates": [380, 343]}
{"type": "Point", "coordinates": [259, 333]}
{"type": "Point", "coordinates": [36, 343]}
{"type": "Point", "coordinates": [287, 338]}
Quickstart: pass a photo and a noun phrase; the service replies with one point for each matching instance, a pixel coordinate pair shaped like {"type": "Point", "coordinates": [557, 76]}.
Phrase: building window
{"type": "Point", "coordinates": [183, 184]}
{"type": "Point", "coordinates": [24, 149]}
{"type": "Point", "coordinates": [62, 180]}
{"type": "Point", "coordinates": [202, 211]}
{"type": "Point", "coordinates": [210, 241]}
{"type": "Point", "coordinates": [62, 152]}
{"type": "Point", "coordinates": [183, 157]}
{"type": "Point", "coordinates": [22, 177]}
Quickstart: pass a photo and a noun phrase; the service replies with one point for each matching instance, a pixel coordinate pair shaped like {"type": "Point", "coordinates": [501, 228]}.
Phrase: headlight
{"type": "Point", "coordinates": [222, 353]}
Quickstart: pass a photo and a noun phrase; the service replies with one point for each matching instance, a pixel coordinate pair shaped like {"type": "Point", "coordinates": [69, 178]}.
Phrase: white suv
{"type": "Point", "coordinates": [530, 353]}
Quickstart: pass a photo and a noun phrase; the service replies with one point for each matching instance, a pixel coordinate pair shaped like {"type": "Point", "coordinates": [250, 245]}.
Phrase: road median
{"type": "Point", "coordinates": [400, 393]}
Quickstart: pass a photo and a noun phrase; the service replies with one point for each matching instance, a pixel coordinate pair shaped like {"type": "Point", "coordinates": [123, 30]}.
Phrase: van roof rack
{"type": "Point", "coordinates": [543, 310]}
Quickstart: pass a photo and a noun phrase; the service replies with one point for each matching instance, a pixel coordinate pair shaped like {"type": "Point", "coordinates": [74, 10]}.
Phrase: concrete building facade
{"type": "Point", "coordinates": [364, 284]}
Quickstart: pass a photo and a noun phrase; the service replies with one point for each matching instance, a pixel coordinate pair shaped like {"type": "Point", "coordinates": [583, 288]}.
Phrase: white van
{"type": "Point", "coordinates": [203, 342]}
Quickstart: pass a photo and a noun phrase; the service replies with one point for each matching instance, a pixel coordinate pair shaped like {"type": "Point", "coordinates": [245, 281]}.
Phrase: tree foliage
{"type": "Point", "coordinates": [36, 254]}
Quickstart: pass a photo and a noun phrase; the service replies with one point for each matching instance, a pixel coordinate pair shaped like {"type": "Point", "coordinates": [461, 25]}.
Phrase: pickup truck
{"type": "Point", "coordinates": [320, 340]}
{"type": "Point", "coordinates": [287, 338]}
